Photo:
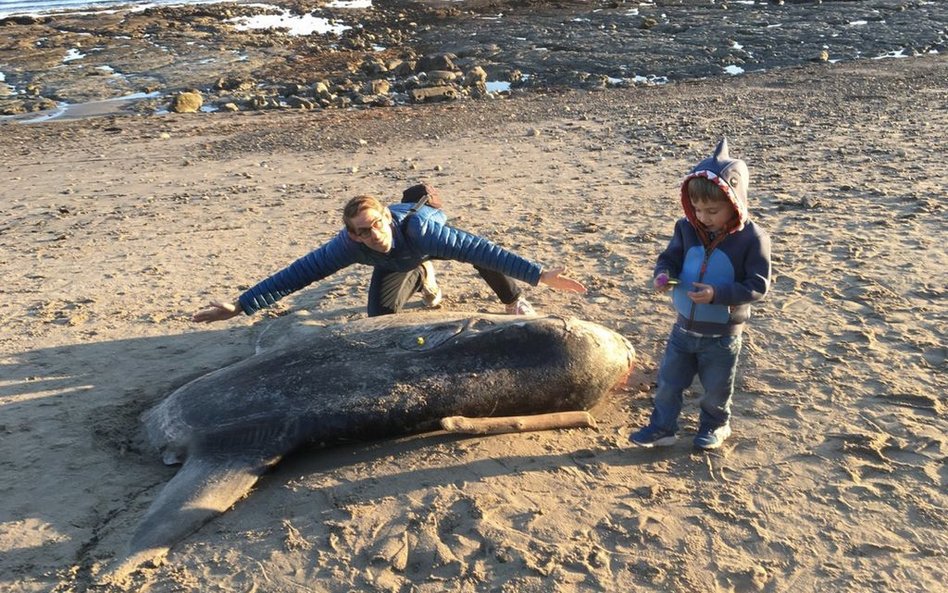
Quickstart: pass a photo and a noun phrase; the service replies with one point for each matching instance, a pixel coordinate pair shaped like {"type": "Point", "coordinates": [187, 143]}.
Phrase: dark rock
{"type": "Point", "coordinates": [12, 107]}
{"type": "Point", "coordinates": [373, 65]}
{"type": "Point", "coordinates": [24, 20]}
{"type": "Point", "coordinates": [234, 84]}
{"type": "Point", "coordinates": [406, 68]}
{"type": "Point", "coordinates": [475, 76]}
{"type": "Point", "coordinates": [440, 77]}
{"type": "Point", "coordinates": [187, 102]}
{"type": "Point", "coordinates": [433, 94]}
{"type": "Point", "coordinates": [379, 87]}
{"type": "Point", "coordinates": [293, 89]}
{"type": "Point", "coordinates": [321, 89]}
{"type": "Point", "coordinates": [648, 23]}
{"type": "Point", "coordinates": [300, 102]}
{"type": "Point", "coordinates": [435, 62]}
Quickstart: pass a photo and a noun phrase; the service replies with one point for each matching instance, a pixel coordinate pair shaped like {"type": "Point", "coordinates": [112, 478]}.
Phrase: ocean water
{"type": "Point", "coordinates": [21, 7]}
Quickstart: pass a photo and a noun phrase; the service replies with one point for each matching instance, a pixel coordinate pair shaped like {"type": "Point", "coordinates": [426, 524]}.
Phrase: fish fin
{"type": "Point", "coordinates": [203, 488]}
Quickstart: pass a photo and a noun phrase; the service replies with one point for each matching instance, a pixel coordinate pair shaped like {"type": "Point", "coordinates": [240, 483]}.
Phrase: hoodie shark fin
{"type": "Point", "coordinates": [721, 152]}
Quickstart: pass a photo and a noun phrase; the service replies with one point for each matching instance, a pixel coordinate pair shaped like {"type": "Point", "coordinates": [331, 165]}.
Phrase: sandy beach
{"type": "Point", "coordinates": [115, 229]}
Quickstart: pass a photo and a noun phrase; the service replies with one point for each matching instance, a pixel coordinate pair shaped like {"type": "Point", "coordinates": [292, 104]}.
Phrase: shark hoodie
{"type": "Point", "coordinates": [736, 261]}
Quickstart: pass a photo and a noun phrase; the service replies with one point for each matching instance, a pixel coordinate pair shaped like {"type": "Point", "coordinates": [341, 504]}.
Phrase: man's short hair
{"type": "Point", "coordinates": [356, 205]}
{"type": "Point", "coordinates": [702, 189]}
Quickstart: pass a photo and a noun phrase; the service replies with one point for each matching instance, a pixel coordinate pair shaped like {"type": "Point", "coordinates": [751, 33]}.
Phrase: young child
{"type": "Point", "coordinates": [716, 264]}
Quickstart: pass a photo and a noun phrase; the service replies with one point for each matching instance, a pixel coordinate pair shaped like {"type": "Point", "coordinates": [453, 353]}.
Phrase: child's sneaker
{"type": "Point", "coordinates": [712, 438]}
{"type": "Point", "coordinates": [430, 291]}
{"type": "Point", "coordinates": [652, 436]}
{"type": "Point", "coordinates": [521, 306]}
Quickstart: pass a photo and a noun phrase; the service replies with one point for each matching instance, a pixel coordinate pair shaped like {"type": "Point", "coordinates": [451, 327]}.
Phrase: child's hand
{"type": "Point", "coordinates": [702, 293]}
{"type": "Point", "coordinates": [663, 283]}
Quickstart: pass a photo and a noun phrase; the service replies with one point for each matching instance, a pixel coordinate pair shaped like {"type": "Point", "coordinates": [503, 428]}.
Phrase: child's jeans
{"type": "Point", "coordinates": [714, 360]}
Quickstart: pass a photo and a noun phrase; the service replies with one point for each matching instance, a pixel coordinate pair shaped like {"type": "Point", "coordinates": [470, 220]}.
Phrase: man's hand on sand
{"type": "Point", "coordinates": [216, 312]}
{"type": "Point", "coordinates": [554, 279]}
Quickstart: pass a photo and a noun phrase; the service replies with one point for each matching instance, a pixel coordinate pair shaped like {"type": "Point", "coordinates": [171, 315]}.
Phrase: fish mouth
{"type": "Point", "coordinates": [614, 351]}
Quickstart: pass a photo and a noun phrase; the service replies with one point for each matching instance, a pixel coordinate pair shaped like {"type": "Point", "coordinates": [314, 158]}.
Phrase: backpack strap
{"type": "Point", "coordinates": [411, 212]}
{"type": "Point", "coordinates": [417, 206]}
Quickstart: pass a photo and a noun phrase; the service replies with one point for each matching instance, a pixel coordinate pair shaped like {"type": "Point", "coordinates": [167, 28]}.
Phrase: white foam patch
{"type": "Point", "coordinates": [295, 25]}
{"type": "Point", "coordinates": [898, 53]}
{"type": "Point", "coordinates": [40, 7]}
{"type": "Point", "coordinates": [72, 55]}
{"type": "Point", "coordinates": [353, 4]}
{"type": "Point", "coordinates": [650, 79]}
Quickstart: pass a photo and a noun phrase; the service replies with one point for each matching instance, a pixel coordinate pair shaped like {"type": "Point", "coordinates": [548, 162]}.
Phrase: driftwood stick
{"type": "Point", "coordinates": [504, 424]}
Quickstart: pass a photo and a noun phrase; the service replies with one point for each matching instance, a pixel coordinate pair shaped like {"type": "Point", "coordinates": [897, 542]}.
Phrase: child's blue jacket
{"type": "Point", "coordinates": [737, 265]}
{"type": "Point", "coordinates": [422, 237]}
{"type": "Point", "coordinates": [738, 268]}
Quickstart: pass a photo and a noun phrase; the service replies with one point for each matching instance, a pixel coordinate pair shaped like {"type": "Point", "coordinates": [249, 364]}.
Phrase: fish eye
{"type": "Point", "coordinates": [432, 336]}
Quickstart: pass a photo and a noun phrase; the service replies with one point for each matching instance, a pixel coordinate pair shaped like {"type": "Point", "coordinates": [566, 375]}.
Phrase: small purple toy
{"type": "Point", "coordinates": [663, 280]}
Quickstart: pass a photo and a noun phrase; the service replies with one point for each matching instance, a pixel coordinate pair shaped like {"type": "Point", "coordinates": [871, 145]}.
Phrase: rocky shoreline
{"type": "Point", "coordinates": [188, 58]}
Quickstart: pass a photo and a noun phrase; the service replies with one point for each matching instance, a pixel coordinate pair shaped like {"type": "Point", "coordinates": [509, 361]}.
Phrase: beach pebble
{"type": "Point", "coordinates": [187, 102]}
